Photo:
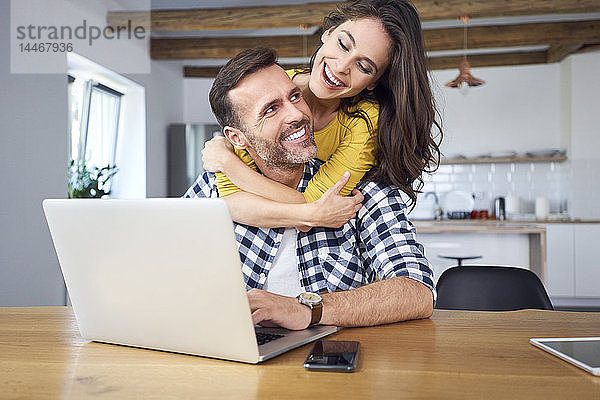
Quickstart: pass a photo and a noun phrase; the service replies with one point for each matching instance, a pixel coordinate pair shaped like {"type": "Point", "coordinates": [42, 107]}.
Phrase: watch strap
{"type": "Point", "coordinates": [317, 313]}
{"type": "Point", "coordinates": [315, 308]}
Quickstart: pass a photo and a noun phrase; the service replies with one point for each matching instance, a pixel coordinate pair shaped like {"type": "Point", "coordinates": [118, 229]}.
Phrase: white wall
{"type": "Point", "coordinates": [33, 154]}
{"type": "Point", "coordinates": [517, 109]}
{"type": "Point", "coordinates": [582, 119]}
{"type": "Point", "coordinates": [130, 181]}
{"type": "Point", "coordinates": [164, 106]}
{"type": "Point", "coordinates": [585, 104]}
{"type": "Point", "coordinates": [526, 108]}
{"type": "Point", "coordinates": [196, 108]}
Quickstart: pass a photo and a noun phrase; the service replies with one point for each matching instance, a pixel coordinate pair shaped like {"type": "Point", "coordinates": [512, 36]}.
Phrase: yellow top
{"type": "Point", "coordinates": [346, 144]}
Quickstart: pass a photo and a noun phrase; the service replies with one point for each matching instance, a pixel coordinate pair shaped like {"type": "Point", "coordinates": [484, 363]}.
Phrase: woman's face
{"type": "Point", "coordinates": [353, 57]}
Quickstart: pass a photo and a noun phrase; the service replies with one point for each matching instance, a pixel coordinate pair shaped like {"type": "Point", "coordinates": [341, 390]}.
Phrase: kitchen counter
{"type": "Point", "coordinates": [546, 247]}
{"type": "Point", "coordinates": [490, 225]}
{"type": "Point", "coordinates": [530, 234]}
{"type": "Point", "coordinates": [467, 225]}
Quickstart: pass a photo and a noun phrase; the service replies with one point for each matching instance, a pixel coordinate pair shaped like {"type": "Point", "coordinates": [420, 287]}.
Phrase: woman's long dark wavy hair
{"type": "Point", "coordinates": [407, 147]}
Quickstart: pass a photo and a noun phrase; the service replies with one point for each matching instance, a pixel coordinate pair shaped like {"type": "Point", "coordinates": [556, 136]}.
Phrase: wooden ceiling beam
{"type": "Point", "coordinates": [434, 63]}
{"type": "Point", "coordinates": [513, 35]}
{"type": "Point", "coordinates": [489, 60]}
{"type": "Point", "coordinates": [191, 48]}
{"type": "Point", "coordinates": [588, 47]}
{"type": "Point", "coordinates": [227, 18]}
{"type": "Point", "coordinates": [556, 33]}
{"type": "Point", "coordinates": [200, 72]}
{"type": "Point", "coordinates": [449, 9]}
{"type": "Point", "coordinates": [558, 52]}
{"type": "Point", "coordinates": [313, 13]}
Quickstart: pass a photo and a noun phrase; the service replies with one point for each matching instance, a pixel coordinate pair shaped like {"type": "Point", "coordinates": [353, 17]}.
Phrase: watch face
{"type": "Point", "coordinates": [311, 297]}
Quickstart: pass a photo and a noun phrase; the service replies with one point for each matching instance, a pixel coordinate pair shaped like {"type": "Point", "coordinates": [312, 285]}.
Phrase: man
{"type": "Point", "coordinates": [375, 254]}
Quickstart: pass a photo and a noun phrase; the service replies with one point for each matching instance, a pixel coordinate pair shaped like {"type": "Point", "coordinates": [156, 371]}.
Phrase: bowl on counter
{"type": "Point", "coordinates": [458, 204]}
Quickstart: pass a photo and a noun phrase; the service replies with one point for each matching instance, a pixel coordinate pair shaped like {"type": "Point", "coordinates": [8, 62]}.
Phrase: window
{"type": "Point", "coordinates": [95, 110]}
{"type": "Point", "coordinates": [107, 114]}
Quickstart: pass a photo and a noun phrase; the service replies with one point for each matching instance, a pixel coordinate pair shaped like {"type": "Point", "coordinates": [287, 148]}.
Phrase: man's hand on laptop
{"type": "Point", "coordinates": [269, 309]}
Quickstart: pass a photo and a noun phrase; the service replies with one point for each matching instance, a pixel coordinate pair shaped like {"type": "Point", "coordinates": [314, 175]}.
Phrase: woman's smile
{"type": "Point", "coordinates": [330, 79]}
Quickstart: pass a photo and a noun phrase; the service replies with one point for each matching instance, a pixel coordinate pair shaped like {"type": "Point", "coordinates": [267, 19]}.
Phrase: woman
{"type": "Point", "coordinates": [368, 90]}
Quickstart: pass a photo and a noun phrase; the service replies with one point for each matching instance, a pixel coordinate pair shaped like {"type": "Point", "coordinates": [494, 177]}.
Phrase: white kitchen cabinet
{"type": "Point", "coordinates": [587, 266]}
{"type": "Point", "coordinates": [572, 267]}
{"type": "Point", "coordinates": [560, 260]}
{"type": "Point", "coordinates": [495, 249]}
{"type": "Point", "coordinates": [572, 270]}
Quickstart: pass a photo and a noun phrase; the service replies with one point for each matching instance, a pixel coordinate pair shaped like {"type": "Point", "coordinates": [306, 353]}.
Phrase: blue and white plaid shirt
{"type": "Point", "coordinates": [379, 243]}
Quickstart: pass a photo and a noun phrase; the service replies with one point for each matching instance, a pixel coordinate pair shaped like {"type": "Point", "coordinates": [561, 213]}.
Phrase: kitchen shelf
{"type": "Point", "coordinates": [492, 160]}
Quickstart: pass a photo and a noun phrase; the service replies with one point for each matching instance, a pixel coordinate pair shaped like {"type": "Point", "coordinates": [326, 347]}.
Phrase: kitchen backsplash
{"type": "Point", "coordinates": [488, 181]}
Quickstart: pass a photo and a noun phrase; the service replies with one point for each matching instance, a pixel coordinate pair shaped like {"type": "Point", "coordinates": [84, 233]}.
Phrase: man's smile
{"type": "Point", "coordinates": [298, 135]}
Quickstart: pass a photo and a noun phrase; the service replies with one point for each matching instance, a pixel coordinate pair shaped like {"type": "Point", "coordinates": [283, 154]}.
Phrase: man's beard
{"type": "Point", "coordinates": [276, 155]}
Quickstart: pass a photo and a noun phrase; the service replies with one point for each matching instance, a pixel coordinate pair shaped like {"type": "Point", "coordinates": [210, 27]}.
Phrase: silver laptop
{"type": "Point", "coordinates": [162, 274]}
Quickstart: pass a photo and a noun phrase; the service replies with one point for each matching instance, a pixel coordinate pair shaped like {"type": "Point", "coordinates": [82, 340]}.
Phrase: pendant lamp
{"type": "Point", "coordinates": [464, 80]}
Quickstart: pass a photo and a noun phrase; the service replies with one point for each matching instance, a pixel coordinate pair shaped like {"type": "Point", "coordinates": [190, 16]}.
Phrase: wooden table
{"type": "Point", "coordinates": [455, 354]}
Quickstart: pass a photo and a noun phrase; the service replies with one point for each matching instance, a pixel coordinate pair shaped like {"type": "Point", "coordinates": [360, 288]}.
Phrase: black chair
{"type": "Point", "coordinates": [487, 288]}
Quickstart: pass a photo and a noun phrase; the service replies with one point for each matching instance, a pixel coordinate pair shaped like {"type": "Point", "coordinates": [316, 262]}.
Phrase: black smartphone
{"type": "Point", "coordinates": [333, 355]}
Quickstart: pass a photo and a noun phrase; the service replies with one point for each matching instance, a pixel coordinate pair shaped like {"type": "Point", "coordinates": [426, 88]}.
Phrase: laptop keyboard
{"type": "Point", "coordinates": [263, 338]}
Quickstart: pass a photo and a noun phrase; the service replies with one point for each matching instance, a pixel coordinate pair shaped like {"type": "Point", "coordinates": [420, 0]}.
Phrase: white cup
{"type": "Point", "coordinates": [542, 208]}
{"type": "Point", "coordinates": [513, 205]}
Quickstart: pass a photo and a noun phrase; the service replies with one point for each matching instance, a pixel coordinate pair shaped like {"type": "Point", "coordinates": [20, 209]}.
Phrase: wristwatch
{"type": "Point", "coordinates": [315, 302]}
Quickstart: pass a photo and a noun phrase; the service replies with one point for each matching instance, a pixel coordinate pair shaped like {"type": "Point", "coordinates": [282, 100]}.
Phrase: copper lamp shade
{"type": "Point", "coordinates": [465, 76]}
{"type": "Point", "coordinates": [464, 80]}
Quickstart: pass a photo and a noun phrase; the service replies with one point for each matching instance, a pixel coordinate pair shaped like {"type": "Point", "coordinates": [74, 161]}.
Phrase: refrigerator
{"type": "Point", "coordinates": [185, 144]}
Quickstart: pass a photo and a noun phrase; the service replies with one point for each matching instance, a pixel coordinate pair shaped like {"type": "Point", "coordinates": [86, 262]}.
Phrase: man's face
{"type": "Point", "coordinates": [277, 122]}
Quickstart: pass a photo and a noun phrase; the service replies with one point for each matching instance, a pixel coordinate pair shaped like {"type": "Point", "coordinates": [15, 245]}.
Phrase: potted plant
{"type": "Point", "coordinates": [91, 182]}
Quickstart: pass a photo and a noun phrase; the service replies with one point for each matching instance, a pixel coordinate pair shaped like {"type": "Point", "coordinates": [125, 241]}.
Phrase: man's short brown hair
{"type": "Point", "coordinates": [243, 64]}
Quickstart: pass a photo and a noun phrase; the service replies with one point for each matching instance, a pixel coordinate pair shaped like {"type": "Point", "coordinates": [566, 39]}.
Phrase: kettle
{"type": "Point", "coordinates": [499, 208]}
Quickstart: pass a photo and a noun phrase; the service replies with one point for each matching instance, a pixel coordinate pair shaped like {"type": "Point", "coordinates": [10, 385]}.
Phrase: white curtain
{"type": "Point", "coordinates": [102, 127]}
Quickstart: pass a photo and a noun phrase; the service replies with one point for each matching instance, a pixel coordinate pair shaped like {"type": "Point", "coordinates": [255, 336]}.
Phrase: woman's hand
{"type": "Point", "coordinates": [333, 210]}
{"type": "Point", "coordinates": [216, 153]}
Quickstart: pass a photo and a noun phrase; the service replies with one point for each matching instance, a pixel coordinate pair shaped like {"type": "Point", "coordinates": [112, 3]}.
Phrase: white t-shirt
{"type": "Point", "coordinates": [284, 277]}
